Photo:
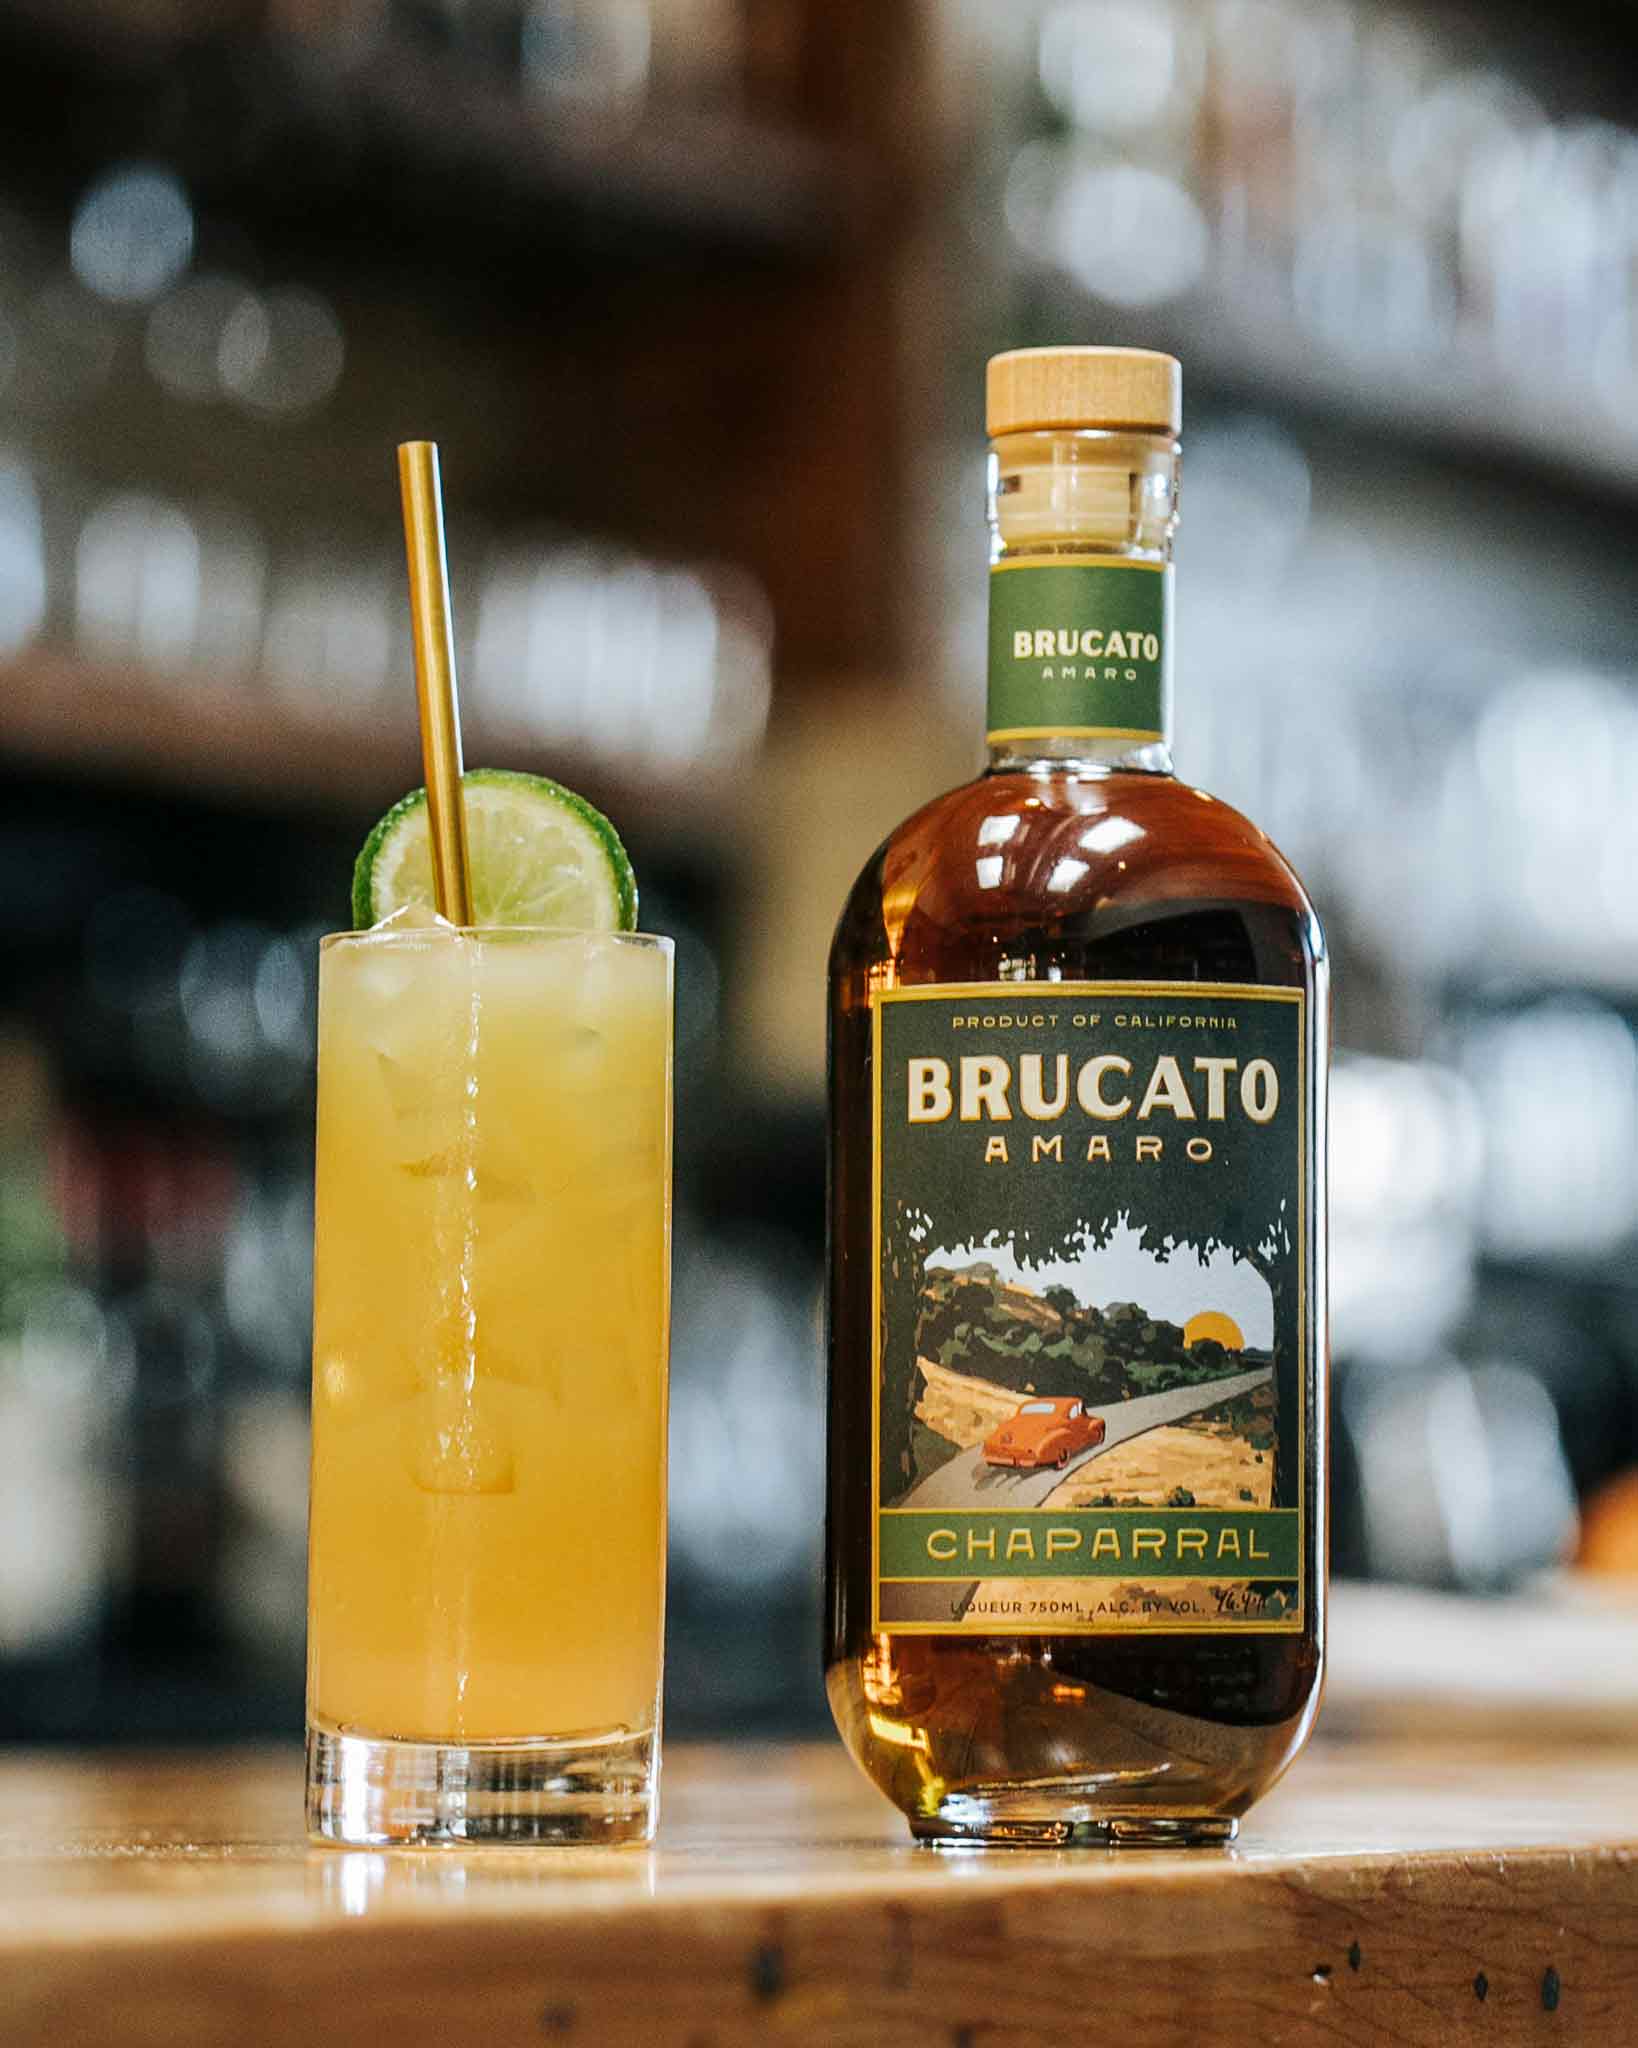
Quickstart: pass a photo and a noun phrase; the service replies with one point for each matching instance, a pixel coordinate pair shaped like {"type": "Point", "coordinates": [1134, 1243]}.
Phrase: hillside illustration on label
{"type": "Point", "coordinates": [1028, 1389]}
{"type": "Point", "coordinates": [1090, 1364]}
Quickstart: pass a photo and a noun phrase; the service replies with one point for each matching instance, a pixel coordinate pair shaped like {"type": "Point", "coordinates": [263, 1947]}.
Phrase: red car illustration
{"type": "Point", "coordinates": [1044, 1432]}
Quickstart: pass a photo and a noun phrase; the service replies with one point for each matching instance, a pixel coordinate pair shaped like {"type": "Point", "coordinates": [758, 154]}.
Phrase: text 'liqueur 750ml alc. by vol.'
{"type": "Point", "coordinates": [1076, 1552]}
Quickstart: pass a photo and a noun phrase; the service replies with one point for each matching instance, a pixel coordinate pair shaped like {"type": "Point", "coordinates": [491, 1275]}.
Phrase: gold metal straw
{"type": "Point", "coordinates": [435, 676]}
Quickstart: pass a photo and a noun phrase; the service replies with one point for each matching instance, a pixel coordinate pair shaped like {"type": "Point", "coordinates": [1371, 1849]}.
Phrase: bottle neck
{"type": "Point", "coordinates": [1081, 528]}
{"type": "Point", "coordinates": [1058, 752]}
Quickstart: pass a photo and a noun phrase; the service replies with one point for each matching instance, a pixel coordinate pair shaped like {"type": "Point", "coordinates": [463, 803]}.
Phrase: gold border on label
{"type": "Point", "coordinates": [1055, 1625]}
{"type": "Point", "coordinates": [877, 997]}
{"type": "Point", "coordinates": [1052, 1626]}
{"type": "Point", "coordinates": [1145, 734]}
{"type": "Point", "coordinates": [1075, 562]}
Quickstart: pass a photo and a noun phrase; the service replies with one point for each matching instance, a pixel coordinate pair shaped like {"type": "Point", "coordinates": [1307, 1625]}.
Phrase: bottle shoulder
{"type": "Point", "coordinates": [1020, 848]}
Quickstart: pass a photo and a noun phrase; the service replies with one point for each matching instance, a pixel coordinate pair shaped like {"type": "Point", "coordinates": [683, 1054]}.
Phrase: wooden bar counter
{"type": "Point", "coordinates": [1383, 1894]}
{"type": "Point", "coordinates": [1470, 1882]}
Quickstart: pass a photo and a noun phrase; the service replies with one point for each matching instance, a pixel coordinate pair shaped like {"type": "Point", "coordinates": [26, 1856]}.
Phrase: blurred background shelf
{"type": "Point", "coordinates": [116, 724]}
{"type": "Point", "coordinates": [455, 123]}
{"type": "Point", "coordinates": [1574, 439]}
{"type": "Point", "coordinates": [223, 742]}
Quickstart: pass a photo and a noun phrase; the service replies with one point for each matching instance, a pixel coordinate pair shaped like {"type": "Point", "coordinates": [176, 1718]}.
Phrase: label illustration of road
{"type": "Point", "coordinates": [967, 1482]}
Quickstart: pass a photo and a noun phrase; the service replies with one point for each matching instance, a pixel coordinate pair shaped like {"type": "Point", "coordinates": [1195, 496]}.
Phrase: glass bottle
{"type": "Point", "coordinates": [1074, 931]}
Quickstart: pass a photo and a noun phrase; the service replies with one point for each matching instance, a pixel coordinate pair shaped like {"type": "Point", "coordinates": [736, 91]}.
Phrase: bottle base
{"type": "Point", "coordinates": [374, 1792]}
{"type": "Point", "coordinates": [971, 1821]}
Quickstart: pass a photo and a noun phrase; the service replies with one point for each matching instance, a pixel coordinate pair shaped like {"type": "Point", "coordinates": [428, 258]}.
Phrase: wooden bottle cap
{"type": "Point", "coordinates": [1137, 389]}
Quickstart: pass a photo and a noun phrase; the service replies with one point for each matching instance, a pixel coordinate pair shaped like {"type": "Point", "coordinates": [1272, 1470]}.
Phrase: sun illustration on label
{"type": "Point", "coordinates": [1212, 1322]}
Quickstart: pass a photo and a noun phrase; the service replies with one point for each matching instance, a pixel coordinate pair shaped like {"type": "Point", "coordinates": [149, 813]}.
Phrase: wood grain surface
{"type": "Point", "coordinates": [1386, 1893]}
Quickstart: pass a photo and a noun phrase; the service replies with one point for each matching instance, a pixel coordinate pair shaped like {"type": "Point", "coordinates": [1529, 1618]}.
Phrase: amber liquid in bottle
{"type": "Point", "coordinates": [1120, 1737]}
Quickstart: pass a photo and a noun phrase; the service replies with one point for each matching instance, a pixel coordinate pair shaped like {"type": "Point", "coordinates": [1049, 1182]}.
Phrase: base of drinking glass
{"type": "Point", "coordinates": [975, 1824]}
{"type": "Point", "coordinates": [373, 1792]}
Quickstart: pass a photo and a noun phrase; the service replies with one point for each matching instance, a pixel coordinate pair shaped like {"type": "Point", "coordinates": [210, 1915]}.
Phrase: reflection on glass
{"type": "Point", "coordinates": [233, 569]}
{"type": "Point", "coordinates": [1131, 235]}
{"type": "Point", "coordinates": [64, 1377]}
{"type": "Point", "coordinates": [22, 559]}
{"type": "Point", "coordinates": [65, 344]}
{"type": "Point", "coordinates": [183, 342]}
{"type": "Point", "coordinates": [1406, 1162]}
{"type": "Point", "coordinates": [747, 1491]}
{"type": "Point", "coordinates": [132, 233]}
{"type": "Point", "coordinates": [1444, 137]}
{"type": "Point", "coordinates": [1463, 1475]}
{"type": "Point", "coordinates": [137, 581]}
{"type": "Point", "coordinates": [625, 657]}
{"type": "Point", "coordinates": [1557, 1085]}
{"type": "Point", "coordinates": [359, 1883]}
{"type": "Point", "coordinates": [282, 353]}
{"type": "Point", "coordinates": [586, 54]}
{"type": "Point", "coordinates": [1109, 835]}
{"type": "Point", "coordinates": [1111, 65]}
{"type": "Point", "coordinates": [330, 626]}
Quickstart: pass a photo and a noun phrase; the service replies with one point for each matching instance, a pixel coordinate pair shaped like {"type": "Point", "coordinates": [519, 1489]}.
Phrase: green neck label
{"type": "Point", "coordinates": [1080, 649]}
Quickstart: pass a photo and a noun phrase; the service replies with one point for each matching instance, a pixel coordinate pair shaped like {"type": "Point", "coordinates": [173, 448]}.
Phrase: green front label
{"type": "Point", "coordinates": [1080, 648]}
{"type": "Point", "coordinates": [1091, 1372]}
